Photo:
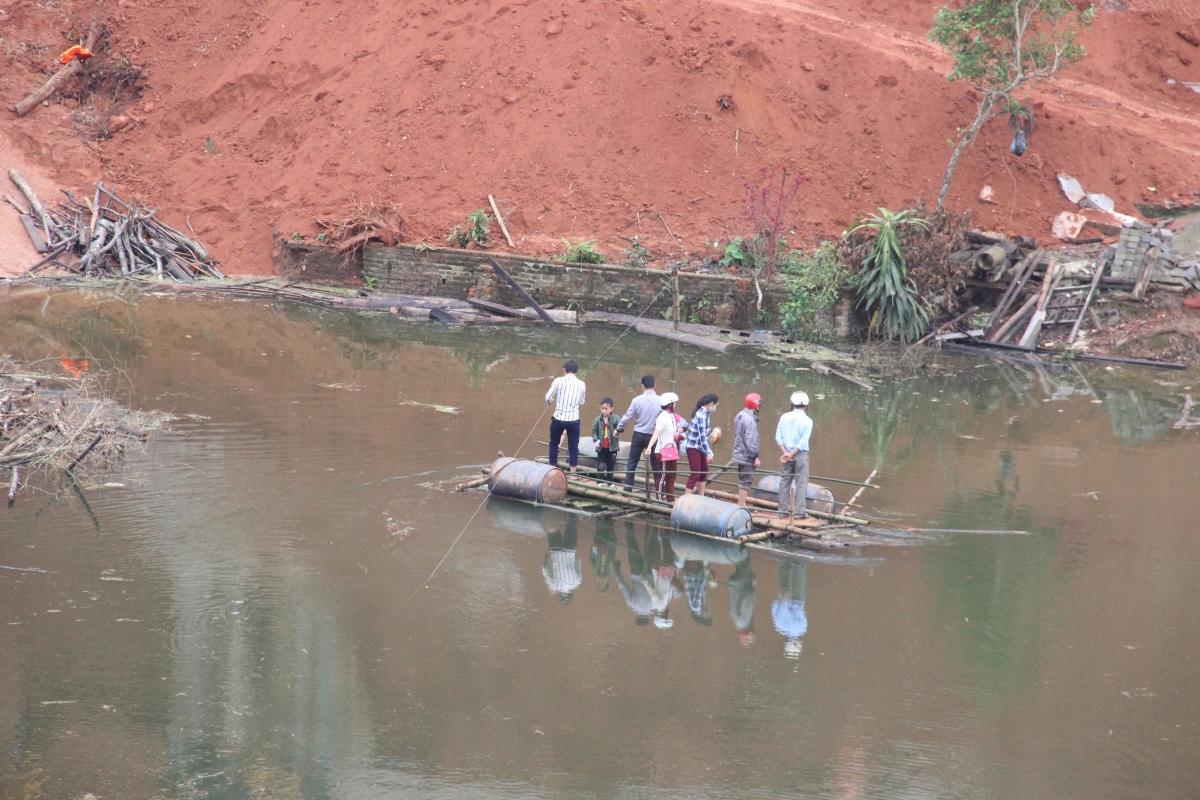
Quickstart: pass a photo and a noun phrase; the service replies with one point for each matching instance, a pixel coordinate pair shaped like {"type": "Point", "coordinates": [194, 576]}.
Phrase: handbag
{"type": "Point", "coordinates": [669, 452]}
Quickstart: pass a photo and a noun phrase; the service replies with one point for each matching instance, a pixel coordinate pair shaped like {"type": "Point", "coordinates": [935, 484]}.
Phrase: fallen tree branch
{"type": "Point", "coordinates": [31, 102]}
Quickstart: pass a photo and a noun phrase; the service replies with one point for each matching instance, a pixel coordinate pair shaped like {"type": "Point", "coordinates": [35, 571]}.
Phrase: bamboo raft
{"type": "Point", "coordinates": [585, 492]}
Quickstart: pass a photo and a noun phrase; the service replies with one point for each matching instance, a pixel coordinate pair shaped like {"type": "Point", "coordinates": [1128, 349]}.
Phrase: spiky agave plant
{"type": "Point", "coordinates": [884, 289]}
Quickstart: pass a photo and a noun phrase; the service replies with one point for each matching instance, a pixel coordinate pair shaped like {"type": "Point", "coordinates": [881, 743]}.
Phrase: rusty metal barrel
{"type": "Point", "coordinates": [712, 517]}
{"type": "Point", "coordinates": [527, 480]}
{"type": "Point", "coordinates": [693, 548]}
{"type": "Point", "coordinates": [819, 498]}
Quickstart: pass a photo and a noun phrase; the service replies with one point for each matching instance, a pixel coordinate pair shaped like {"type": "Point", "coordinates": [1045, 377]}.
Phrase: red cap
{"type": "Point", "coordinates": [753, 401]}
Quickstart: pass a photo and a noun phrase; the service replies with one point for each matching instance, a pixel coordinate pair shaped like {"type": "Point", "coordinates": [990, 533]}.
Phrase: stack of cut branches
{"type": "Point", "coordinates": [107, 237]}
{"type": "Point", "coordinates": [68, 429]}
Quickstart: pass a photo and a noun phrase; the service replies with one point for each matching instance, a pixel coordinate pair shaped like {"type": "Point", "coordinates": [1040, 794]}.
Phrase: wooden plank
{"type": "Point", "coordinates": [520, 290]}
{"type": "Point", "coordinates": [1143, 280]}
{"type": "Point", "coordinates": [494, 308]}
{"type": "Point", "coordinates": [945, 325]}
{"type": "Point", "coordinates": [1013, 321]}
{"type": "Point", "coordinates": [1020, 277]}
{"type": "Point", "coordinates": [35, 236]}
{"type": "Point", "coordinates": [1087, 301]}
{"type": "Point", "coordinates": [1034, 329]}
{"type": "Point", "coordinates": [444, 316]}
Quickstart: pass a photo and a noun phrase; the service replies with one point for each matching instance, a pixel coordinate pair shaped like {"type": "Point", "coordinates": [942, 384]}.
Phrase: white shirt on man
{"type": "Point", "coordinates": [571, 393]}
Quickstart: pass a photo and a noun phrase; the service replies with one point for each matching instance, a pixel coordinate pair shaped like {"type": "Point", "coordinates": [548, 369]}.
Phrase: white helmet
{"type": "Point", "coordinates": [799, 399]}
{"type": "Point", "coordinates": [665, 400]}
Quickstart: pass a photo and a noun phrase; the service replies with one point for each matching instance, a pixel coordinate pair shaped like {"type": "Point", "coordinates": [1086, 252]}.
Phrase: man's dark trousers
{"type": "Point", "coordinates": [557, 426]}
{"type": "Point", "coordinates": [637, 445]}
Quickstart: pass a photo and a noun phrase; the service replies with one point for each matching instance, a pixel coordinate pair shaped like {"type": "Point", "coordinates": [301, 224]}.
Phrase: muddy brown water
{"type": "Point", "coordinates": [245, 609]}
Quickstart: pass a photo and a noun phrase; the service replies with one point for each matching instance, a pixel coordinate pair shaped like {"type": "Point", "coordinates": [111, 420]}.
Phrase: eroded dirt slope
{"type": "Point", "coordinates": [587, 118]}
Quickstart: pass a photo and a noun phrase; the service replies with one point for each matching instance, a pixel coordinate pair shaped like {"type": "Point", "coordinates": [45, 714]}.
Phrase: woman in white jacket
{"type": "Point", "coordinates": [664, 444]}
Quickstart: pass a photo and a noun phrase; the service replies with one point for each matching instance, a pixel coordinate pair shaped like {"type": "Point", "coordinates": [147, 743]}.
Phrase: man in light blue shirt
{"type": "Point", "coordinates": [792, 435]}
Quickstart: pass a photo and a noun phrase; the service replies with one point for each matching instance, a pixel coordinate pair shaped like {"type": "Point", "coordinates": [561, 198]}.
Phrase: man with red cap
{"type": "Point", "coordinates": [745, 445]}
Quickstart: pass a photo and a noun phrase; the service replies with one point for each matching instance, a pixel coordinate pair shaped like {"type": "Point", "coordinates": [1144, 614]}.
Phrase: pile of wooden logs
{"type": "Point", "coordinates": [994, 258]}
{"type": "Point", "coordinates": [106, 237]}
{"type": "Point", "coordinates": [70, 428]}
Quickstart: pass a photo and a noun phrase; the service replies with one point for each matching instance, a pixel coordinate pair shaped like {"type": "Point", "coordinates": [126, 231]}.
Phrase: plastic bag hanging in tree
{"type": "Point", "coordinates": [1021, 122]}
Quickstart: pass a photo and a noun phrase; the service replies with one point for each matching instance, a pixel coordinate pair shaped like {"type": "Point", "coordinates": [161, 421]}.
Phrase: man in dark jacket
{"type": "Point", "coordinates": [745, 445]}
{"type": "Point", "coordinates": [645, 408]}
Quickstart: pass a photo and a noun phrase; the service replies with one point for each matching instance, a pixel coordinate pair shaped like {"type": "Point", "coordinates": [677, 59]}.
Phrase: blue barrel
{"type": "Point", "coordinates": [819, 498]}
{"type": "Point", "coordinates": [527, 480]}
{"type": "Point", "coordinates": [713, 517]}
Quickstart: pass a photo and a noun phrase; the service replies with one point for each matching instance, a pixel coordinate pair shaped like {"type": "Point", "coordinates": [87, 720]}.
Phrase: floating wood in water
{"type": "Point", "coordinates": [827, 370]}
{"type": "Point", "coordinates": [652, 329]}
{"type": "Point", "coordinates": [1185, 420]}
{"type": "Point", "coordinates": [493, 308]}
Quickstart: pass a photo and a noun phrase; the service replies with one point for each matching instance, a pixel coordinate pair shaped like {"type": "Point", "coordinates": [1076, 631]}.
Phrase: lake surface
{"type": "Point", "coordinates": [249, 612]}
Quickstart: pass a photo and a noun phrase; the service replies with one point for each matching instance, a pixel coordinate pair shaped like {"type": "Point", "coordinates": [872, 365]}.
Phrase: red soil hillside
{"type": "Point", "coordinates": [584, 116]}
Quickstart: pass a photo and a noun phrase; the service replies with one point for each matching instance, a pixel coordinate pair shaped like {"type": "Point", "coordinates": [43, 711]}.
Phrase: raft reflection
{"type": "Point", "coordinates": [656, 569]}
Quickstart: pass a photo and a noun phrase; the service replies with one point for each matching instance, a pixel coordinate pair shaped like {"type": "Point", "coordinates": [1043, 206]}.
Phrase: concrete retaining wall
{"type": "Point", "coordinates": [449, 272]}
{"type": "Point", "coordinates": [316, 263]}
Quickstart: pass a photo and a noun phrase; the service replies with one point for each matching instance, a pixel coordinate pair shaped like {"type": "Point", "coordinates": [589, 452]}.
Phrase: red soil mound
{"type": "Point", "coordinates": [588, 117]}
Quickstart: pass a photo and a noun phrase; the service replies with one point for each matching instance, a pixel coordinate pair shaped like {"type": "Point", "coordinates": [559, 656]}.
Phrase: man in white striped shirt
{"type": "Point", "coordinates": [571, 393]}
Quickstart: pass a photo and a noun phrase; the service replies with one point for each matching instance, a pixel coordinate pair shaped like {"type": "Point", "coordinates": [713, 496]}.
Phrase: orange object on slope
{"type": "Point", "coordinates": [76, 366]}
{"type": "Point", "coordinates": [82, 53]}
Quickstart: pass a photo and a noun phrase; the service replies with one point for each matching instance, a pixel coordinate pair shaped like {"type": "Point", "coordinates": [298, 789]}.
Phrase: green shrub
{"type": "Point", "coordinates": [737, 254]}
{"type": "Point", "coordinates": [884, 289]}
{"type": "Point", "coordinates": [479, 225]}
{"type": "Point", "coordinates": [814, 284]}
{"type": "Point", "coordinates": [636, 256]}
{"type": "Point", "coordinates": [582, 253]}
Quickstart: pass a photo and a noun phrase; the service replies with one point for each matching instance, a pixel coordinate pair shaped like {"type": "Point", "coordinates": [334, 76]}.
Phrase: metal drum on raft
{"type": "Point", "coordinates": [527, 480]}
{"type": "Point", "coordinates": [819, 498]}
{"type": "Point", "coordinates": [712, 517]}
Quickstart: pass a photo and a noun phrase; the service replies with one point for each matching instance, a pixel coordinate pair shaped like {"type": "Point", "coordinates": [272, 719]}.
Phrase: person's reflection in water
{"type": "Point", "coordinates": [696, 578]}
{"type": "Point", "coordinates": [562, 567]}
{"type": "Point", "coordinates": [788, 610]}
{"type": "Point", "coordinates": [741, 601]}
{"type": "Point", "coordinates": [604, 551]}
{"type": "Point", "coordinates": [649, 590]}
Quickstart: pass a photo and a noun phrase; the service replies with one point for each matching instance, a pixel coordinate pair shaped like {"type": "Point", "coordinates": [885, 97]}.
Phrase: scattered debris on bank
{"type": "Point", "coordinates": [63, 427]}
{"type": "Point", "coordinates": [1050, 302]}
{"type": "Point", "coordinates": [106, 237]}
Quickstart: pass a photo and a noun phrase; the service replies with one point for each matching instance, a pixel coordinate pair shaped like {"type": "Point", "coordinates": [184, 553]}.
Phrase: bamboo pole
{"type": "Point", "coordinates": [675, 290]}
{"type": "Point", "coordinates": [500, 219]}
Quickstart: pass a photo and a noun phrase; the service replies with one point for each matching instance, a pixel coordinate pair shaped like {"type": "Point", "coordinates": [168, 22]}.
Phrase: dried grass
{"type": "Point", "coordinates": [379, 219]}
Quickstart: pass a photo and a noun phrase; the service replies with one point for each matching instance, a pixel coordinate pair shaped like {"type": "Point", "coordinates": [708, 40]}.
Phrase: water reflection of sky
{"type": "Point", "coordinates": [255, 617]}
